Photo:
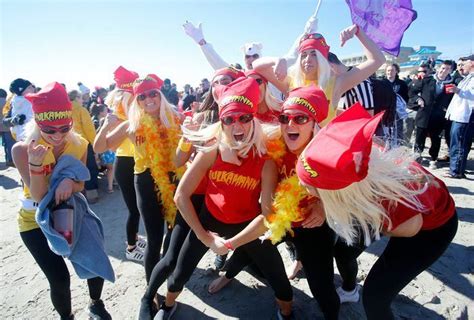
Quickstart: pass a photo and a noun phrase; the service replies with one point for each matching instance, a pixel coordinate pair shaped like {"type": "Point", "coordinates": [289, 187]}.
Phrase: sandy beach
{"type": "Point", "coordinates": [444, 291]}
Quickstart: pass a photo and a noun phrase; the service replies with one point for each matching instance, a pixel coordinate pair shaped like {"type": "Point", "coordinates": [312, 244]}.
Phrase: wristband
{"type": "Point", "coordinates": [228, 245]}
{"type": "Point", "coordinates": [184, 146]}
{"type": "Point", "coordinates": [36, 173]}
{"type": "Point", "coordinates": [202, 42]}
{"type": "Point", "coordinates": [35, 165]}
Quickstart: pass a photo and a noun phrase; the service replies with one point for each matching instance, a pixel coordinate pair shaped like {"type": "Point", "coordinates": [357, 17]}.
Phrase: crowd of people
{"type": "Point", "coordinates": [314, 147]}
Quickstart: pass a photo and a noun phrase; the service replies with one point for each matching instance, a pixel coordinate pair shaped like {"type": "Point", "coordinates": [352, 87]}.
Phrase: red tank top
{"type": "Point", "coordinates": [233, 192]}
{"type": "Point", "coordinates": [439, 206]}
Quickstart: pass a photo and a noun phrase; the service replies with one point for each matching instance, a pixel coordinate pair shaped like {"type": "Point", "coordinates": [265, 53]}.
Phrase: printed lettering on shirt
{"type": "Point", "coordinates": [233, 179]}
{"type": "Point", "coordinates": [139, 140]}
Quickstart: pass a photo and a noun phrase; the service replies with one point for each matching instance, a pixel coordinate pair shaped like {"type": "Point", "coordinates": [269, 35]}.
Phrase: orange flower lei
{"type": "Point", "coordinates": [160, 146]}
{"type": "Point", "coordinates": [288, 194]}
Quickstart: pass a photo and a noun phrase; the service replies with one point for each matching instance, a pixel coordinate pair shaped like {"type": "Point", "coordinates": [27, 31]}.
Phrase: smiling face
{"type": "Point", "coordinates": [150, 102]}
{"type": "Point", "coordinates": [55, 135]}
{"type": "Point", "coordinates": [443, 71]}
{"type": "Point", "coordinates": [239, 130]}
{"type": "Point", "coordinates": [297, 136]}
{"type": "Point", "coordinates": [309, 64]}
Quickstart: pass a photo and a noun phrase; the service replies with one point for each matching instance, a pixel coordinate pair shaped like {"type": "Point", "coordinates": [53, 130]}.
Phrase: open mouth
{"type": "Point", "coordinates": [239, 137]}
{"type": "Point", "coordinates": [293, 136]}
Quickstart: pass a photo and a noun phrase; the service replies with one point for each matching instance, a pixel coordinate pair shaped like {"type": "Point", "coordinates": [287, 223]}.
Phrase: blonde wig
{"type": "Point", "coordinates": [135, 113]}
{"type": "Point", "coordinates": [360, 204]}
{"type": "Point", "coordinates": [212, 137]}
{"type": "Point", "coordinates": [298, 77]}
{"type": "Point", "coordinates": [273, 103]}
{"type": "Point", "coordinates": [116, 97]}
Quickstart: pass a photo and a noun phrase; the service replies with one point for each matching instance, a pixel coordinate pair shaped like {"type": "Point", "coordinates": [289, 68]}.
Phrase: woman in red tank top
{"type": "Point", "coordinates": [368, 191]}
{"type": "Point", "coordinates": [236, 170]}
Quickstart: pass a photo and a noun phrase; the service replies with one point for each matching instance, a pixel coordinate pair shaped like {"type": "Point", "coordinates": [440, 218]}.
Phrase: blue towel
{"type": "Point", "coordinates": [86, 253]}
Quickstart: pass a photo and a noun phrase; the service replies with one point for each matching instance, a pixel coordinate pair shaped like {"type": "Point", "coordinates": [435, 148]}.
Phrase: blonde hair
{"type": "Point", "coordinates": [116, 97]}
{"type": "Point", "coordinates": [33, 132]}
{"type": "Point", "coordinates": [273, 103]}
{"type": "Point", "coordinates": [389, 178]}
{"type": "Point", "coordinates": [211, 137]}
{"type": "Point", "coordinates": [298, 77]}
{"type": "Point", "coordinates": [135, 113]}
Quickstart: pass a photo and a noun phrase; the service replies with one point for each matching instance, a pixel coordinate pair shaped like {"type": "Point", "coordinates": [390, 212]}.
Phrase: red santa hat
{"type": "Point", "coordinates": [150, 82]}
{"type": "Point", "coordinates": [339, 153]}
{"type": "Point", "coordinates": [51, 105]}
{"type": "Point", "coordinates": [241, 95]}
{"type": "Point", "coordinates": [314, 41]}
{"type": "Point", "coordinates": [124, 78]}
{"type": "Point", "coordinates": [309, 100]}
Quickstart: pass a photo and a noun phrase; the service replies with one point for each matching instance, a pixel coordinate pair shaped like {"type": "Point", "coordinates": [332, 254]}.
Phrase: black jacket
{"type": "Point", "coordinates": [435, 105]}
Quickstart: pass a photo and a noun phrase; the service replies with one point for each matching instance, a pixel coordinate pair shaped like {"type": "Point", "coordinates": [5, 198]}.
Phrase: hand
{"type": "Point", "coordinates": [316, 217]}
{"type": "Point", "coordinates": [193, 32]}
{"type": "Point", "coordinates": [456, 90]}
{"type": "Point", "coordinates": [64, 190]}
{"type": "Point", "coordinates": [189, 124]}
{"type": "Point", "coordinates": [420, 102]}
{"type": "Point", "coordinates": [348, 33]}
{"type": "Point", "coordinates": [36, 153]}
{"type": "Point", "coordinates": [281, 69]}
{"type": "Point", "coordinates": [111, 121]}
{"type": "Point", "coordinates": [311, 25]}
{"type": "Point", "coordinates": [217, 245]}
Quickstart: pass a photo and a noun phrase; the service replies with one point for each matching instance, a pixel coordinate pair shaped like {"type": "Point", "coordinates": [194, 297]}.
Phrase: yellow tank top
{"type": "Point", "coordinates": [126, 149]}
{"type": "Point", "coordinates": [328, 91]}
{"type": "Point", "coordinates": [140, 155]}
{"type": "Point", "coordinates": [26, 218]}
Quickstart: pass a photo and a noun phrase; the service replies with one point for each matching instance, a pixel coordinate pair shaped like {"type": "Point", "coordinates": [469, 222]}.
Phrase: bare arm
{"type": "Point", "coordinates": [256, 228]}
{"type": "Point", "coordinates": [111, 134]}
{"type": "Point", "coordinates": [186, 187]}
{"type": "Point", "coordinates": [264, 66]}
{"type": "Point", "coordinates": [356, 75]}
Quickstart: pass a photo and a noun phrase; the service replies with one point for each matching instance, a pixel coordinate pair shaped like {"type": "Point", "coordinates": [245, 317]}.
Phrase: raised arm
{"type": "Point", "coordinates": [211, 55]}
{"type": "Point", "coordinates": [111, 134]}
{"type": "Point", "coordinates": [356, 75]}
{"type": "Point", "coordinates": [265, 66]}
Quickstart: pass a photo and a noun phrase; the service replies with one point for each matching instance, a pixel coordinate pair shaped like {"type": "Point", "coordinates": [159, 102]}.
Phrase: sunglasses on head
{"type": "Point", "coordinates": [421, 71]}
{"type": "Point", "coordinates": [242, 118]}
{"type": "Point", "coordinates": [297, 118]}
{"type": "Point", "coordinates": [311, 36]}
{"type": "Point", "coordinates": [151, 94]}
{"type": "Point", "coordinates": [53, 130]}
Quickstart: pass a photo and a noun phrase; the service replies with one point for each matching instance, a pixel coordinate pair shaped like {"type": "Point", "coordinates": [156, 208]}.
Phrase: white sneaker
{"type": "Point", "coordinates": [136, 254]}
{"type": "Point", "coordinates": [165, 313]}
{"type": "Point", "coordinates": [141, 243]}
{"type": "Point", "coordinates": [433, 165]}
{"type": "Point", "coordinates": [417, 157]}
{"type": "Point", "coordinates": [348, 296]}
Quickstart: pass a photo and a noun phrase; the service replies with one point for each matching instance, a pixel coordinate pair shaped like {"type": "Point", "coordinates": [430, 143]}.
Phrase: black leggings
{"type": "Point", "coordinates": [151, 211]}
{"type": "Point", "coordinates": [167, 264]}
{"type": "Point", "coordinates": [125, 177]}
{"type": "Point", "coordinates": [55, 269]}
{"type": "Point", "coordinates": [402, 260]}
{"type": "Point", "coordinates": [264, 254]}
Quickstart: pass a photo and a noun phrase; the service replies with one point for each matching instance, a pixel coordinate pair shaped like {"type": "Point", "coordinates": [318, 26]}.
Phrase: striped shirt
{"type": "Point", "coordinates": [362, 93]}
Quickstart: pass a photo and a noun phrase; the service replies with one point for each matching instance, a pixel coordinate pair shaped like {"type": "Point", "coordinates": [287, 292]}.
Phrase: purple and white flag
{"type": "Point", "coordinates": [384, 21]}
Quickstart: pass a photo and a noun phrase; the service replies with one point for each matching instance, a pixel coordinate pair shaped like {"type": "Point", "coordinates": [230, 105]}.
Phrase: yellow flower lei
{"type": "Point", "coordinates": [160, 146]}
{"type": "Point", "coordinates": [288, 194]}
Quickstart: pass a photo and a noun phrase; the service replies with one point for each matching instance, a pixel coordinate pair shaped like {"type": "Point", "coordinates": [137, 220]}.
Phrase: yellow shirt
{"type": "Point", "coordinates": [26, 218]}
{"type": "Point", "coordinates": [126, 149]}
{"type": "Point", "coordinates": [140, 155]}
{"type": "Point", "coordinates": [82, 122]}
{"type": "Point", "coordinates": [328, 91]}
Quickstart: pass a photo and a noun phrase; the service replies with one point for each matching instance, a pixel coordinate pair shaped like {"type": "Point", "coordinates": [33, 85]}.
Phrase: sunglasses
{"type": "Point", "coordinates": [298, 118]}
{"type": "Point", "coordinates": [255, 56]}
{"type": "Point", "coordinates": [421, 71]}
{"type": "Point", "coordinates": [242, 118]}
{"type": "Point", "coordinates": [152, 94]}
{"type": "Point", "coordinates": [53, 130]}
{"type": "Point", "coordinates": [311, 36]}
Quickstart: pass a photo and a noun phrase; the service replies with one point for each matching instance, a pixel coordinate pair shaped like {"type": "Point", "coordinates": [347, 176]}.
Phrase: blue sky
{"type": "Point", "coordinates": [70, 41]}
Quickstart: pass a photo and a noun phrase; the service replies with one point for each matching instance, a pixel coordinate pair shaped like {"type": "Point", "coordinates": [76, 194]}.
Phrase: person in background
{"type": "Point", "coordinates": [7, 139]}
{"type": "Point", "coordinates": [85, 94]}
{"type": "Point", "coordinates": [85, 128]}
{"type": "Point", "coordinates": [21, 111]}
{"type": "Point", "coordinates": [188, 97]}
{"type": "Point", "coordinates": [460, 112]}
{"type": "Point", "coordinates": [399, 86]}
{"type": "Point", "coordinates": [170, 94]}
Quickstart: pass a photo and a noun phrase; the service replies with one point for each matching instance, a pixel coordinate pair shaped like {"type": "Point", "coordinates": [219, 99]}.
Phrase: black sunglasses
{"type": "Point", "coordinates": [53, 130]}
{"type": "Point", "coordinates": [242, 118]}
{"type": "Point", "coordinates": [421, 71]}
{"type": "Point", "coordinates": [298, 119]}
{"type": "Point", "coordinates": [255, 56]}
{"type": "Point", "coordinates": [151, 94]}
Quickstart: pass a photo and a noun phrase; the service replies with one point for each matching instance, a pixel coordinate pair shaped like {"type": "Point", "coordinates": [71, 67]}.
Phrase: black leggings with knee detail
{"type": "Point", "coordinates": [402, 260]}
{"type": "Point", "coordinates": [264, 254]}
{"type": "Point", "coordinates": [55, 270]}
{"type": "Point", "coordinates": [123, 171]}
